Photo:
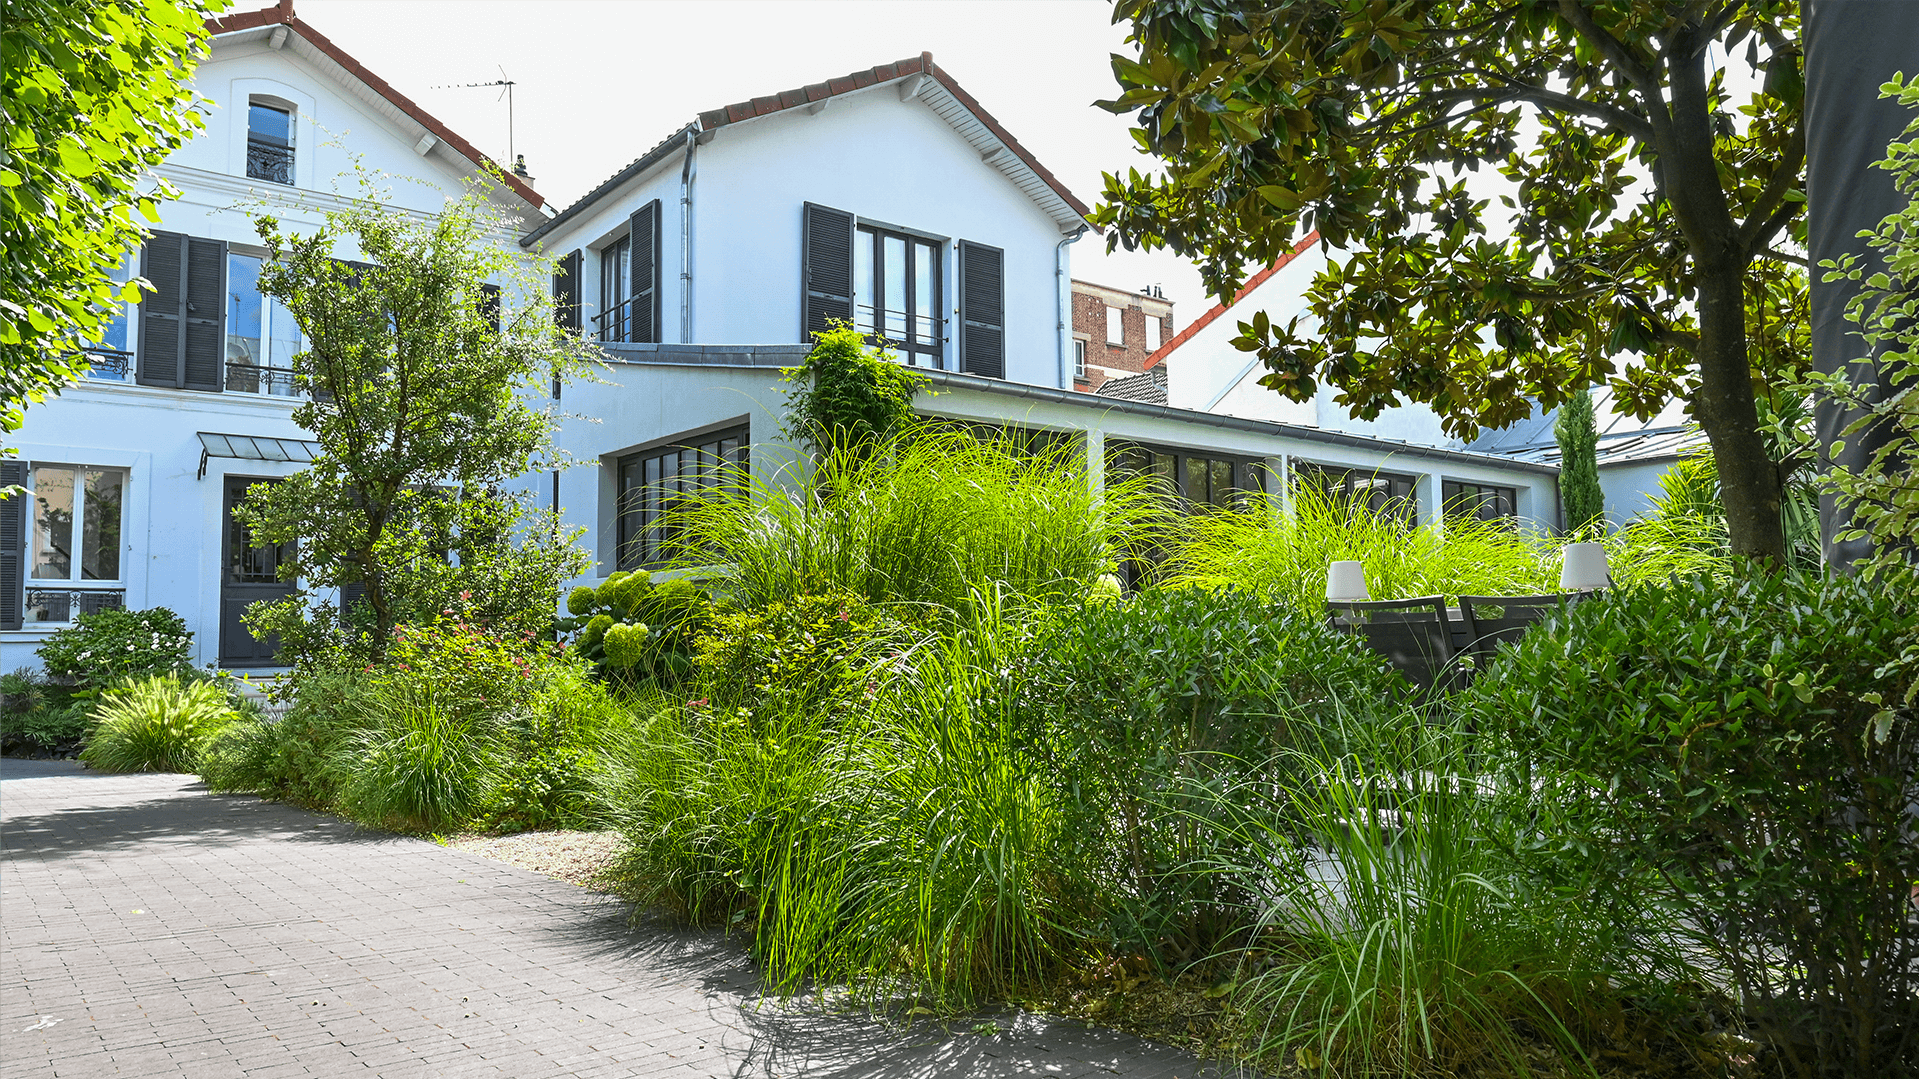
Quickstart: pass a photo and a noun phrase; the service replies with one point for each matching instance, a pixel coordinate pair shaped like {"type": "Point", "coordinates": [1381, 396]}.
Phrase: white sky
{"type": "Point", "coordinates": [599, 81]}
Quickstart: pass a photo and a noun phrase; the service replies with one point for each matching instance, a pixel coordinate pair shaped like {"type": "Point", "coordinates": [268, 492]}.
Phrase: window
{"type": "Point", "coordinates": [1079, 358]}
{"type": "Point", "coordinates": [896, 293]}
{"type": "Point", "coordinates": [109, 354]}
{"type": "Point", "coordinates": [1115, 326]}
{"type": "Point", "coordinates": [262, 336]}
{"type": "Point", "coordinates": [269, 143]}
{"type": "Point", "coordinates": [1202, 480]}
{"type": "Point", "coordinates": [653, 483]}
{"type": "Point", "coordinates": [1382, 492]}
{"type": "Point", "coordinates": [74, 536]}
{"type": "Point", "coordinates": [1153, 338]}
{"type": "Point", "coordinates": [1479, 500]}
{"type": "Point", "coordinates": [615, 287]}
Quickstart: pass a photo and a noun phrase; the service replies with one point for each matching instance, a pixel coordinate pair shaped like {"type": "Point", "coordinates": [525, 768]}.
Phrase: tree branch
{"type": "Point", "coordinates": [1782, 256]}
{"type": "Point", "coordinates": [1629, 65]}
{"type": "Point", "coordinates": [1759, 227]}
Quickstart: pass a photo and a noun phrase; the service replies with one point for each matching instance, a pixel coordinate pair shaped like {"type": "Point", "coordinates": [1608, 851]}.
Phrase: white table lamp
{"type": "Point", "coordinates": [1346, 582]}
{"type": "Point", "coordinates": [1584, 568]}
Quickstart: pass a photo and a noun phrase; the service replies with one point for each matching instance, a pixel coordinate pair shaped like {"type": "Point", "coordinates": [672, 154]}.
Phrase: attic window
{"type": "Point", "coordinates": [269, 142]}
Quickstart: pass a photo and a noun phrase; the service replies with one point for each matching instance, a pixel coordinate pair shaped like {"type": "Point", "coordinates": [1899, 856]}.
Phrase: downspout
{"type": "Point", "coordinates": [1060, 292]}
{"type": "Point", "coordinates": [686, 238]}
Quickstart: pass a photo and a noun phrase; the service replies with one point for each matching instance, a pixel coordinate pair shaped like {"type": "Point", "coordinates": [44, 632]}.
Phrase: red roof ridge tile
{"type": "Point", "coordinates": [1205, 320]}
{"type": "Point", "coordinates": [282, 13]}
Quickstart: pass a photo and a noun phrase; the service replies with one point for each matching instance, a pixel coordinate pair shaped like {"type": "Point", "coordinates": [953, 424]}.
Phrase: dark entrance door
{"type": "Point", "coordinates": [250, 574]}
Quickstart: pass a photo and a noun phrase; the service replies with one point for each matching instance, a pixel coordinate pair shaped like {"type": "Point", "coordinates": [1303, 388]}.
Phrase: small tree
{"type": "Point", "coordinates": [92, 96]}
{"type": "Point", "coordinates": [1580, 495]}
{"type": "Point", "coordinates": [845, 394]}
{"type": "Point", "coordinates": [418, 371]}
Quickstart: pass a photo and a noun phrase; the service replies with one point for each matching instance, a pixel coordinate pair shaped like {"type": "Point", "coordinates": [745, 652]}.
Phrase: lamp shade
{"type": "Point", "coordinates": [1585, 568]}
{"type": "Point", "coordinates": [1346, 582]}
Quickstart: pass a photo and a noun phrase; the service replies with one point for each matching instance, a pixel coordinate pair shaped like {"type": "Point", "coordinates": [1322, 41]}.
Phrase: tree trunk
{"type": "Point", "coordinates": [1748, 482]}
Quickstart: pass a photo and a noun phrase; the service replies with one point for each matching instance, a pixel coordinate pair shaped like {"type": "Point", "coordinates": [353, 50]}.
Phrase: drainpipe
{"type": "Point", "coordinates": [686, 240]}
{"type": "Point", "coordinates": [1061, 290]}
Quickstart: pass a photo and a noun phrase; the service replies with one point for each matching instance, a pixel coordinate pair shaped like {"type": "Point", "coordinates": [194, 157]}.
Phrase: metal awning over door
{"type": "Point", "coordinates": [255, 448]}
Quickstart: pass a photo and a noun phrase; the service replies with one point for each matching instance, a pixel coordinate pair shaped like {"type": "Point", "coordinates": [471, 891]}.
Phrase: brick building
{"type": "Point", "coordinates": [1114, 331]}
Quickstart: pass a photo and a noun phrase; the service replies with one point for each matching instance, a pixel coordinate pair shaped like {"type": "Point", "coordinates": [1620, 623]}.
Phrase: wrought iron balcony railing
{"type": "Point", "coordinates": [60, 605]}
{"type": "Point", "coordinates": [253, 378]}
{"type": "Point", "coordinates": [612, 324]}
{"type": "Point", "coordinates": [109, 364]}
{"type": "Point", "coordinates": [266, 161]}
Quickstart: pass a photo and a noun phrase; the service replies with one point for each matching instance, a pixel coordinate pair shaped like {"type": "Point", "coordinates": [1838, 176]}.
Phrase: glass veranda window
{"type": "Point", "coordinates": [896, 293]}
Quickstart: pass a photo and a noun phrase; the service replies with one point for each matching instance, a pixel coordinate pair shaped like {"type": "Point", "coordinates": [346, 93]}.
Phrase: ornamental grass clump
{"type": "Point", "coordinates": [930, 515]}
{"type": "Point", "coordinates": [1284, 555]}
{"type": "Point", "coordinates": [156, 724]}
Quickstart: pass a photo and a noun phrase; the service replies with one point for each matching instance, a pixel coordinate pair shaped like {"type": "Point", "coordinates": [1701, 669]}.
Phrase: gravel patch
{"type": "Point", "coordinates": [579, 858]}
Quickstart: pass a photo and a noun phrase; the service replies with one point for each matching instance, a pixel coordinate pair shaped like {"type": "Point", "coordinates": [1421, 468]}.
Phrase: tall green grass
{"type": "Point", "coordinates": [1284, 556]}
{"type": "Point", "coordinates": [907, 848]}
{"type": "Point", "coordinates": [928, 516]}
{"type": "Point", "coordinates": [159, 723]}
{"type": "Point", "coordinates": [1400, 934]}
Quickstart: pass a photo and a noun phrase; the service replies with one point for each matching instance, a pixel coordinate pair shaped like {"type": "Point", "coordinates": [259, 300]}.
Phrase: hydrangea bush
{"type": "Point", "coordinates": [104, 647]}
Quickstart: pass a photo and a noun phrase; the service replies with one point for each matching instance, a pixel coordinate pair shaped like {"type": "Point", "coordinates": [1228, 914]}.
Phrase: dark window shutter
{"type": "Point", "coordinates": [13, 544]}
{"type": "Point", "coordinates": [566, 293]}
{"type": "Point", "coordinates": [644, 247]}
{"type": "Point", "coordinates": [163, 262]}
{"type": "Point", "coordinates": [490, 305]}
{"type": "Point", "coordinates": [826, 269]}
{"type": "Point", "coordinates": [982, 310]}
{"type": "Point", "coordinates": [204, 352]}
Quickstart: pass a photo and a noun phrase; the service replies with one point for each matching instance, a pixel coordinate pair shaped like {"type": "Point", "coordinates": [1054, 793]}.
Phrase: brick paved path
{"type": "Point", "coordinates": [148, 928]}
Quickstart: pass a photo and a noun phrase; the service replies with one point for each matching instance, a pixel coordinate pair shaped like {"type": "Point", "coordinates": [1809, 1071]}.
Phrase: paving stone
{"type": "Point", "coordinates": [169, 931]}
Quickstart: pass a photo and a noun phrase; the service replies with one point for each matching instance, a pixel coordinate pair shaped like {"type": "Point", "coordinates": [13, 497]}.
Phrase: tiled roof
{"type": "Point", "coordinates": [1205, 320]}
{"type": "Point", "coordinates": [921, 66]}
{"type": "Point", "coordinates": [1149, 387]}
{"type": "Point", "coordinates": [282, 13]}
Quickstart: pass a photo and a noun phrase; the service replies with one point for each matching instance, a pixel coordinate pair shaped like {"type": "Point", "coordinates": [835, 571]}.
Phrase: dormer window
{"type": "Point", "coordinates": [269, 142]}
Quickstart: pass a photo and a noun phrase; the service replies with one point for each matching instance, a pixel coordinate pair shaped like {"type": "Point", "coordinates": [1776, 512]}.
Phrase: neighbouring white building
{"type": "Point", "coordinates": [889, 198]}
{"type": "Point", "coordinates": [132, 474]}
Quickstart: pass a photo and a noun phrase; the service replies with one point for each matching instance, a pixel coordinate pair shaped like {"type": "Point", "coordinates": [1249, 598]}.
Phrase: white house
{"type": "Point", "coordinates": [889, 198]}
{"type": "Point", "coordinates": [133, 473]}
{"type": "Point", "coordinates": [704, 266]}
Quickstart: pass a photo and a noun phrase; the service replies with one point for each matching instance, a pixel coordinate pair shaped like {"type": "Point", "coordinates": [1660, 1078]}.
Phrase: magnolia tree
{"type": "Point", "coordinates": [1654, 153]}
{"type": "Point", "coordinates": [421, 369]}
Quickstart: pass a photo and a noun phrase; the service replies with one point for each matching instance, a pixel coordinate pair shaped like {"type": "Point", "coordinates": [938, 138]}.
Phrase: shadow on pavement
{"type": "Point", "coordinates": [168, 818]}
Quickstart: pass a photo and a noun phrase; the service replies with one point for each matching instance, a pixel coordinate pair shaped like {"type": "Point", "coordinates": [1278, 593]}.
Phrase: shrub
{"type": "Point", "coordinates": [1143, 711]}
{"type": "Point", "coordinates": [103, 647]}
{"type": "Point", "coordinates": [299, 758]}
{"type": "Point", "coordinates": [656, 625]}
{"type": "Point", "coordinates": [846, 394]}
{"type": "Point", "coordinates": [555, 761]}
{"type": "Point", "coordinates": [156, 724]}
{"type": "Point", "coordinates": [933, 516]}
{"type": "Point", "coordinates": [1742, 751]}
{"type": "Point", "coordinates": [810, 653]}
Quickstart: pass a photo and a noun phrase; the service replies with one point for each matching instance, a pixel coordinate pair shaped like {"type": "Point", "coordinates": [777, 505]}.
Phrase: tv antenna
{"type": "Point", "coordinates": [506, 92]}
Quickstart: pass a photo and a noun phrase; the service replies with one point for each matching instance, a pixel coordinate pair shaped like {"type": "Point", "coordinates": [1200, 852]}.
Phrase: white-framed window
{"type": "Point", "coordinates": [74, 540]}
{"type": "Point", "coordinates": [270, 140]}
{"type": "Point", "coordinates": [1154, 339]}
{"type": "Point", "coordinates": [1079, 358]}
{"type": "Point", "coordinates": [112, 353]}
{"type": "Point", "coordinates": [1115, 326]}
{"type": "Point", "coordinates": [262, 336]}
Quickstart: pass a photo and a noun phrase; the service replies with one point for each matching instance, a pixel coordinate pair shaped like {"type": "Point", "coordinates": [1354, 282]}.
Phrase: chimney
{"type": "Point", "coordinates": [519, 169]}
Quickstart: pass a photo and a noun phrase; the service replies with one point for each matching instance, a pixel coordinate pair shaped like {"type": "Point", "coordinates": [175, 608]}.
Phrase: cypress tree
{"type": "Point", "coordinates": [1578, 434]}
